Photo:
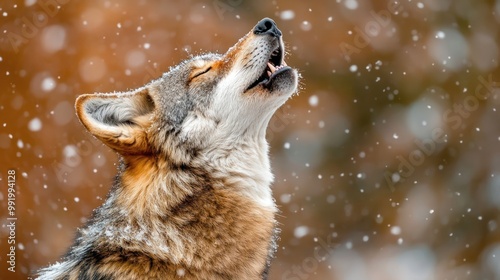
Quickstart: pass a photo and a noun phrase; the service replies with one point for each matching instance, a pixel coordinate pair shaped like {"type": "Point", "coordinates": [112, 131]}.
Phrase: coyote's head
{"type": "Point", "coordinates": [205, 104]}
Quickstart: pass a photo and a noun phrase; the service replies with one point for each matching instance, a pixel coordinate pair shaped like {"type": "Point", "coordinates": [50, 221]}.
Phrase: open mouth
{"type": "Point", "coordinates": [274, 65]}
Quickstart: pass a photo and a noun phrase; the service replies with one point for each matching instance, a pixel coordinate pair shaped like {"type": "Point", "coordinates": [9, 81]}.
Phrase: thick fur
{"type": "Point", "coordinates": [192, 198]}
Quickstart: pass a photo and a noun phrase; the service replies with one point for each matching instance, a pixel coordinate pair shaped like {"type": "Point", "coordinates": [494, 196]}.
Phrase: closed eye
{"type": "Point", "coordinates": [202, 72]}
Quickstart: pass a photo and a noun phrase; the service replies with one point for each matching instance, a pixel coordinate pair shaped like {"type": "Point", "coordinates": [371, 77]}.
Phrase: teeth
{"type": "Point", "coordinates": [271, 67]}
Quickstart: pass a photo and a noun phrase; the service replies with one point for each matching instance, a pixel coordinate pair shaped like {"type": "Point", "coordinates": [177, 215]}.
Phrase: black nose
{"type": "Point", "coordinates": [267, 26]}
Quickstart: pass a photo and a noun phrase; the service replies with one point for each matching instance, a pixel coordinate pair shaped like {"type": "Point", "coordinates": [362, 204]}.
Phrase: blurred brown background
{"type": "Point", "coordinates": [387, 162]}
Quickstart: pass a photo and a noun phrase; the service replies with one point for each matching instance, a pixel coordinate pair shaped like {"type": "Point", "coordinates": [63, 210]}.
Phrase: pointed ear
{"type": "Point", "coordinates": [120, 120]}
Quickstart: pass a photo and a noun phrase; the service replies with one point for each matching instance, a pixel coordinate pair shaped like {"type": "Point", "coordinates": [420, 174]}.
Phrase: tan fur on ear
{"type": "Point", "coordinates": [119, 120]}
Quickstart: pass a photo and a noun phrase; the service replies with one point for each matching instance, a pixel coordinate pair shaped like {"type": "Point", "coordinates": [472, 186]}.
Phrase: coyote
{"type": "Point", "coordinates": [192, 197]}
